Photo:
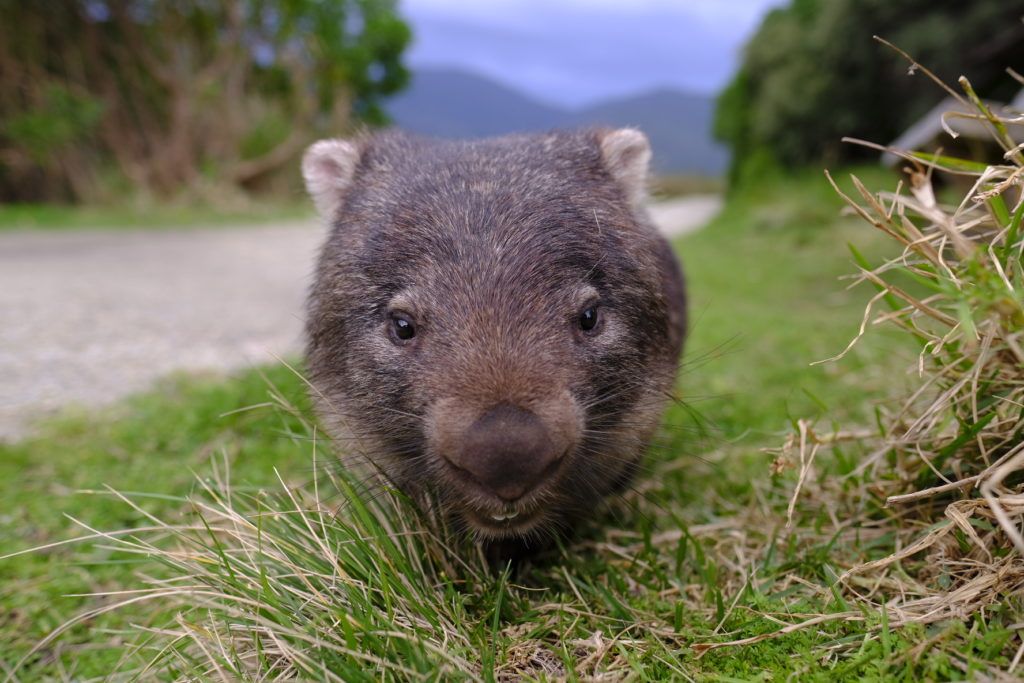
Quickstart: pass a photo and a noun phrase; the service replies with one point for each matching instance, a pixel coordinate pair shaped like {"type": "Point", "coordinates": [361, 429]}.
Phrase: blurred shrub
{"type": "Point", "coordinates": [812, 73]}
{"type": "Point", "coordinates": [176, 97]}
{"type": "Point", "coordinates": [62, 119]}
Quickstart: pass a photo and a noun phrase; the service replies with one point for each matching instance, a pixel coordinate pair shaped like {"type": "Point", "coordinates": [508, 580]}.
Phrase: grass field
{"type": "Point", "coordinates": [129, 216]}
{"type": "Point", "coordinates": [698, 553]}
{"type": "Point", "coordinates": [284, 208]}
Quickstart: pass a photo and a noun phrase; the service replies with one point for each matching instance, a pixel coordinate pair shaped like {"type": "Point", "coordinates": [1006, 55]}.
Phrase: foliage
{"type": "Point", "coordinates": [62, 119]}
{"type": "Point", "coordinates": [182, 96]}
{"type": "Point", "coordinates": [812, 74]}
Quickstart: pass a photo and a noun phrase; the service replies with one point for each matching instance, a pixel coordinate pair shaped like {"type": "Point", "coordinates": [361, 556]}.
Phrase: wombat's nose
{"type": "Point", "coordinates": [507, 451]}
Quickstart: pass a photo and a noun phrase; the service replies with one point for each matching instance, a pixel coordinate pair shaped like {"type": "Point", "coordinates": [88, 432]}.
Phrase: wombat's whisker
{"type": "Point", "coordinates": [694, 361]}
{"type": "Point", "coordinates": [606, 464]}
{"type": "Point", "coordinates": [377, 406]}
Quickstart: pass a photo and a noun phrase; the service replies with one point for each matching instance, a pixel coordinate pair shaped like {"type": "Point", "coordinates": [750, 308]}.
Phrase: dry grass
{"type": "Point", "coordinates": [285, 586]}
{"type": "Point", "coordinates": [940, 484]}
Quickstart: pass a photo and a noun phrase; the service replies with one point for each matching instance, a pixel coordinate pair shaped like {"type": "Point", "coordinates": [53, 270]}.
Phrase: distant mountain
{"type": "Point", "coordinates": [460, 104]}
{"type": "Point", "coordinates": [677, 123]}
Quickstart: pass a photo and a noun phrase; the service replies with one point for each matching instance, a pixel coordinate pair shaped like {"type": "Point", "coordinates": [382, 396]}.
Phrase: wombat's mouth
{"type": "Point", "coordinates": [503, 524]}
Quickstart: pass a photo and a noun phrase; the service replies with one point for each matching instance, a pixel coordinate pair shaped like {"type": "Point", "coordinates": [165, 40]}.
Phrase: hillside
{"type": "Point", "coordinates": [460, 104]}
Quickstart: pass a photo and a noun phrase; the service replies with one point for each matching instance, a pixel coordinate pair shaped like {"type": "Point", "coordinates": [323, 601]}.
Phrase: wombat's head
{"type": "Point", "coordinates": [493, 323]}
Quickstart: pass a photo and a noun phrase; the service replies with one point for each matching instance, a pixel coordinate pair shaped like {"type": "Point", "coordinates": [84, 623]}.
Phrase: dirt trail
{"type": "Point", "coordinates": [89, 316]}
{"type": "Point", "coordinates": [679, 217]}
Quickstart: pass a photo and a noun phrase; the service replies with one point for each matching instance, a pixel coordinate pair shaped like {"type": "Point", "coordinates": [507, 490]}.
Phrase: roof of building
{"type": "Point", "coordinates": [962, 120]}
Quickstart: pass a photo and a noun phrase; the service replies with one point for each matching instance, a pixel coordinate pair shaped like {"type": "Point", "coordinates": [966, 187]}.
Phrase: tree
{"type": "Point", "coordinates": [812, 73]}
{"type": "Point", "coordinates": [180, 95]}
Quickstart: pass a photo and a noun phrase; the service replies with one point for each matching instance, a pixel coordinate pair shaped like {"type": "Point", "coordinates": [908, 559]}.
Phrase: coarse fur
{"type": "Point", "coordinates": [492, 252]}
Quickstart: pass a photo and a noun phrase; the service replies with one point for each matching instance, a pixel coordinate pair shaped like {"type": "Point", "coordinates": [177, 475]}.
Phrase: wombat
{"type": "Point", "coordinates": [494, 324]}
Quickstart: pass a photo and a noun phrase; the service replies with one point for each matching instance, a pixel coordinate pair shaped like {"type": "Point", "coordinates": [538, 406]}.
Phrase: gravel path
{"type": "Point", "coordinates": [679, 217]}
{"type": "Point", "coordinates": [89, 316]}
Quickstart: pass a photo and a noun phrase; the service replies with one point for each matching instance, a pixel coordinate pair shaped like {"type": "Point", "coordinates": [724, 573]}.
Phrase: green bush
{"type": "Point", "coordinates": [812, 74]}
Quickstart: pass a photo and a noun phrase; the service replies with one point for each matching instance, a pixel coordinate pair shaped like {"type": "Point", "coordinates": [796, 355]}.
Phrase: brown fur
{"type": "Point", "coordinates": [493, 247]}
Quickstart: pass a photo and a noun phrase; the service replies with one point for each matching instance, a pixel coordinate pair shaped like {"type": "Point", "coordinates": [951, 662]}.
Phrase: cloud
{"type": "Point", "coordinates": [576, 51]}
{"type": "Point", "coordinates": [735, 16]}
{"type": "Point", "coordinates": [732, 10]}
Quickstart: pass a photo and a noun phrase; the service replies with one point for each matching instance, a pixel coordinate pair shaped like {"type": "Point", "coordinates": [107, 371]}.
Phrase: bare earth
{"type": "Point", "coordinates": [89, 316]}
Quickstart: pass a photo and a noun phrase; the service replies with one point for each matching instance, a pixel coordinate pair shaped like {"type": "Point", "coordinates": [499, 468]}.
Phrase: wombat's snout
{"type": "Point", "coordinates": [507, 451]}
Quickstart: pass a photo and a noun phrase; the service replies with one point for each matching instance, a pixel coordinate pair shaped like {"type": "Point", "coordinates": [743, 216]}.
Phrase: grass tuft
{"type": "Point", "coordinates": [281, 584]}
{"type": "Point", "coordinates": [938, 495]}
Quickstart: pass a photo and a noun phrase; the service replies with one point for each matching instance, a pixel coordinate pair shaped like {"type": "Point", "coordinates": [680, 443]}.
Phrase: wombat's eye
{"type": "Point", "coordinates": [402, 327]}
{"type": "Point", "coordinates": [589, 318]}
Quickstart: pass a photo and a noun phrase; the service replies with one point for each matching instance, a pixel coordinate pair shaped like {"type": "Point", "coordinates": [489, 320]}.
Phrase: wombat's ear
{"type": "Point", "coordinates": [626, 155]}
{"type": "Point", "coordinates": [328, 167]}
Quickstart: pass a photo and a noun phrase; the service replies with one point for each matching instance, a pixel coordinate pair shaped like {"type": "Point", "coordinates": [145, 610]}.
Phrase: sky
{"type": "Point", "coordinates": [576, 52]}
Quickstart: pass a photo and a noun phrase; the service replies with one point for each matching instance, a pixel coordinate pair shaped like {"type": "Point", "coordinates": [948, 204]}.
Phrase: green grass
{"type": "Point", "coordinates": [700, 556]}
{"type": "Point", "coordinates": [766, 301]}
{"type": "Point", "coordinates": [58, 217]}
{"type": "Point", "coordinates": [154, 443]}
{"type": "Point", "coordinates": [682, 185]}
